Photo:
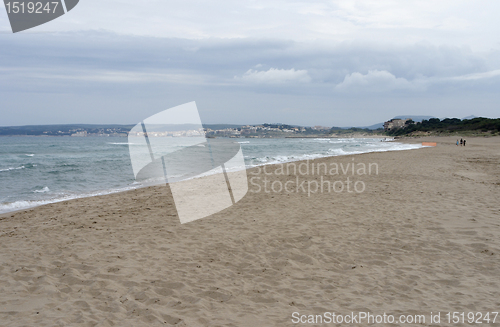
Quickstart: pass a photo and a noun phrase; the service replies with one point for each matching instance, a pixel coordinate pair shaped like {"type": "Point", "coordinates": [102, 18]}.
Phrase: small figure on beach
{"type": "Point", "coordinates": [464, 142]}
{"type": "Point", "coordinates": [461, 142]}
{"type": "Point", "coordinates": [457, 142]}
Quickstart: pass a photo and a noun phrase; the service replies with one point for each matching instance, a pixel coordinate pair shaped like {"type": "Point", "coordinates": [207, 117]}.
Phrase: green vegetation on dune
{"type": "Point", "coordinates": [478, 125]}
{"type": "Point", "coordinates": [355, 130]}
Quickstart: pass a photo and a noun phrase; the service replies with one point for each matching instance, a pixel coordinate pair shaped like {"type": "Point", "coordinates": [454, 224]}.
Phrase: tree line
{"type": "Point", "coordinates": [449, 125]}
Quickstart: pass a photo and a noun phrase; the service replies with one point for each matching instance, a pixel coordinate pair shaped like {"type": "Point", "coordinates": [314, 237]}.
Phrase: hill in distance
{"type": "Point", "coordinates": [413, 117]}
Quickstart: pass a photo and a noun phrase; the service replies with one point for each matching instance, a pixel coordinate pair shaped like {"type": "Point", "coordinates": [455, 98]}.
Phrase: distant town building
{"type": "Point", "coordinates": [396, 123]}
{"type": "Point", "coordinates": [81, 134]}
{"type": "Point", "coordinates": [321, 128]}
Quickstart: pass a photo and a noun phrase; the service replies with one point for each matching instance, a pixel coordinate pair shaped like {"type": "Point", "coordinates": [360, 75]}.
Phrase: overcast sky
{"type": "Point", "coordinates": [331, 63]}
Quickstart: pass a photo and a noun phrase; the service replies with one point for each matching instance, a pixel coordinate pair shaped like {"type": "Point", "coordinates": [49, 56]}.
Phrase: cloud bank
{"type": "Point", "coordinates": [275, 76]}
{"type": "Point", "coordinates": [374, 81]}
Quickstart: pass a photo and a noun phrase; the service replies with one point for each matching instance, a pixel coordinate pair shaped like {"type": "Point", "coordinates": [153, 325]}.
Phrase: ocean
{"type": "Point", "coordinates": [41, 170]}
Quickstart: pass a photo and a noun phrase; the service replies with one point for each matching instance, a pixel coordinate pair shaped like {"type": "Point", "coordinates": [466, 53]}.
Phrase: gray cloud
{"type": "Point", "coordinates": [98, 77]}
{"type": "Point", "coordinates": [326, 62]}
{"type": "Point", "coordinates": [374, 81]}
{"type": "Point", "coordinates": [387, 21]}
{"type": "Point", "coordinates": [275, 76]}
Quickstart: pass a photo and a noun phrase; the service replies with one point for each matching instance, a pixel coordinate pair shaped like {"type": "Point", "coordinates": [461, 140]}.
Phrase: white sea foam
{"type": "Point", "coordinates": [333, 152]}
{"type": "Point", "coordinates": [337, 152]}
{"type": "Point", "coordinates": [43, 190]}
{"type": "Point", "coordinates": [24, 204]}
{"type": "Point", "coordinates": [30, 154]}
{"type": "Point", "coordinates": [19, 205]}
{"type": "Point", "coordinates": [121, 143]}
{"type": "Point", "coordinates": [11, 168]}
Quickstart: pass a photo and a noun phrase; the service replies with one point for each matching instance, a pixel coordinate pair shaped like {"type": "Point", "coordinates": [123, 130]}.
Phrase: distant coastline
{"type": "Point", "coordinates": [214, 130]}
{"type": "Point", "coordinates": [90, 135]}
{"type": "Point", "coordinates": [396, 127]}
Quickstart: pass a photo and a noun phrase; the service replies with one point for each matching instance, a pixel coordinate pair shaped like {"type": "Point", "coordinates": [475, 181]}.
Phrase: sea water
{"type": "Point", "coordinates": [40, 170]}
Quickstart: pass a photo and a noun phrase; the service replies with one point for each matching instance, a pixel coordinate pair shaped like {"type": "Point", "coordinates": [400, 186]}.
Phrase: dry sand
{"type": "Point", "coordinates": [422, 237]}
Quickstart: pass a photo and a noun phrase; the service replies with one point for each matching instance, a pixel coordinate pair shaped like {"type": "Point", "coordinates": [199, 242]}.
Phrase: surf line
{"type": "Point", "coordinates": [322, 168]}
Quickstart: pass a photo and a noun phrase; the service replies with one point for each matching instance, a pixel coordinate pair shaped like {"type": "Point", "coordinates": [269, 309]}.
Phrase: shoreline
{"type": "Point", "coordinates": [407, 140]}
{"type": "Point", "coordinates": [112, 191]}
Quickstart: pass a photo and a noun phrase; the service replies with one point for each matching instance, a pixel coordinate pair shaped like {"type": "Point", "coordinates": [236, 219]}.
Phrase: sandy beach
{"type": "Point", "coordinates": [422, 236]}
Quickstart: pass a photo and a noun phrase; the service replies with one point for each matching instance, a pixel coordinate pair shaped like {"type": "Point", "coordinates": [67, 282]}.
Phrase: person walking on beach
{"type": "Point", "coordinates": [457, 142]}
{"type": "Point", "coordinates": [461, 142]}
{"type": "Point", "coordinates": [464, 142]}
